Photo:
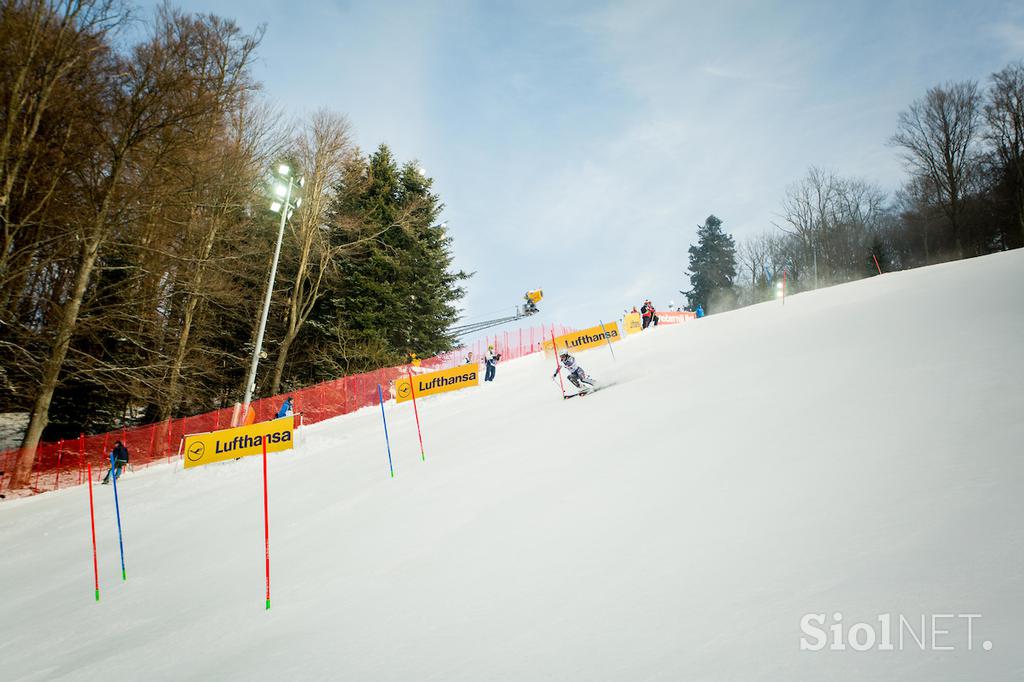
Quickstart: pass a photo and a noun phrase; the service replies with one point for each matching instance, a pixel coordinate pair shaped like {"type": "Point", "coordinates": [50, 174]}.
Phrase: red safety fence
{"type": "Point", "coordinates": [63, 463]}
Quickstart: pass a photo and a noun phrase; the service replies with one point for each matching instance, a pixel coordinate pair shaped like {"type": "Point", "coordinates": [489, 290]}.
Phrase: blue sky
{"type": "Point", "coordinates": [578, 145]}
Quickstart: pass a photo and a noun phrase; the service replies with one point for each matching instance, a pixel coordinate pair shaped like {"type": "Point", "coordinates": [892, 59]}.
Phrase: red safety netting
{"type": "Point", "coordinates": [63, 463]}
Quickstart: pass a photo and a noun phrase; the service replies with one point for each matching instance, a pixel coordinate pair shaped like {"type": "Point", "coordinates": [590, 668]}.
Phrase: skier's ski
{"type": "Point", "coordinates": [587, 391]}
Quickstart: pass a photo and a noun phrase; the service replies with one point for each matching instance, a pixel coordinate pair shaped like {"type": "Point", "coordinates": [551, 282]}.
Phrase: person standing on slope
{"type": "Point", "coordinates": [491, 360]}
{"type": "Point", "coordinates": [577, 377]}
{"type": "Point", "coordinates": [286, 408]}
{"type": "Point", "coordinates": [647, 313]}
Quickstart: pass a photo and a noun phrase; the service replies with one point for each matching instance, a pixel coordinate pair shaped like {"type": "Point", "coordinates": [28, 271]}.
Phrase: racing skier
{"type": "Point", "coordinates": [574, 372]}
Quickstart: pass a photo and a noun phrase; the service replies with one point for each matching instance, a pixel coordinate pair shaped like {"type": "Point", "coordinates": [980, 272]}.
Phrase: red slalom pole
{"type": "Point", "coordinates": [876, 264]}
{"type": "Point", "coordinates": [416, 411]}
{"type": "Point", "coordinates": [266, 519]}
{"type": "Point", "coordinates": [558, 365]}
{"type": "Point", "coordinates": [60, 451]}
{"type": "Point", "coordinates": [92, 523]}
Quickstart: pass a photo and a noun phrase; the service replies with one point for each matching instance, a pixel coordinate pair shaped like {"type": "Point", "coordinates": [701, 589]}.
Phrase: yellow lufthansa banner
{"type": "Point", "coordinates": [587, 338]}
{"type": "Point", "coordinates": [445, 380]}
{"type": "Point", "coordinates": [633, 323]}
{"type": "Point", "coordinates": [217, 446]}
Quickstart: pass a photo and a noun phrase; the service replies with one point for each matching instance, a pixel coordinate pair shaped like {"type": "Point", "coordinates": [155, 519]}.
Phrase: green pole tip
{"type": "Point", "coordinates": [97, 595]}
{"type": "Point", "coordinates": [268, 605]}
{"type": "Point", "coordinates": [123, 575]}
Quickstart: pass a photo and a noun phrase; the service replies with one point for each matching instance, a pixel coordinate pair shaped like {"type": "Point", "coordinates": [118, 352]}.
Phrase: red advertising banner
{"type": "Point", "coordinates": [674, 316]}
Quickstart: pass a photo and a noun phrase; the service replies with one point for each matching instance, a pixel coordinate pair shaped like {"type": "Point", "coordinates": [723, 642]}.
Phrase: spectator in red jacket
{"type": "Point", "coordinates": [647, 313]}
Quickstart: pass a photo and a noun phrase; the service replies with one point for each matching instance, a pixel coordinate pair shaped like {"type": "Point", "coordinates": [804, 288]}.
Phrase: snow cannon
{"type": "Point", "coordinates": [532, 298]}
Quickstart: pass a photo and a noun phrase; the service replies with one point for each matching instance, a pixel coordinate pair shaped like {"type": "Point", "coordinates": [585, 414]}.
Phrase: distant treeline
{"type": "Point", "coordinates": [963, 147]}
{"type": "Point", "coordinates": [135, 194]}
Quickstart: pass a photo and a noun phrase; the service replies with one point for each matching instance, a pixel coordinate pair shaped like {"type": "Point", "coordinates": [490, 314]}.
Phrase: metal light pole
{"type": "Point", "coordinates": [286, 209]}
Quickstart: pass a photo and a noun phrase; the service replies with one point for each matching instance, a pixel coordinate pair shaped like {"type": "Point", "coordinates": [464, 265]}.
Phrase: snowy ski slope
{"type": "Point", "coordinates": [857, 450]}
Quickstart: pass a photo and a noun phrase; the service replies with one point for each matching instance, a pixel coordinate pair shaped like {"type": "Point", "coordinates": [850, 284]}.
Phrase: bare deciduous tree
{"type": "Point", "coordinates": [322, 148]}
{"type": "Point", "coordinates": [939, 135]}
{"type": "Point", "coordinates": [1004, 113]}
{"type": "Point", "coordinates": [177, 76]}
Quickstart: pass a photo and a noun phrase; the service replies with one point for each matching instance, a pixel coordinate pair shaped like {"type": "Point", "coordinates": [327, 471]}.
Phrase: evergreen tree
{"type": "Point", "coordinates": [712, 268]}
{"type": "Point", "coordinates": [394, 292]}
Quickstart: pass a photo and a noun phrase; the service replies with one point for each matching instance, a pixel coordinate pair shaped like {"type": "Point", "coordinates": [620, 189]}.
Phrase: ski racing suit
{"type": "Point", "coordinates": [574, 372]}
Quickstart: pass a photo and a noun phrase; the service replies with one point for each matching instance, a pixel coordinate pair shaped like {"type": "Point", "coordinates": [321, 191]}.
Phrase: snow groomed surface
{"type": "Point", "coordinates": [857, 450]}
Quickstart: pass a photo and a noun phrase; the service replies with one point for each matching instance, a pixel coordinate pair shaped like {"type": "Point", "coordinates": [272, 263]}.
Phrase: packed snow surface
{"type": "Point", "coordinates": [856, 450]}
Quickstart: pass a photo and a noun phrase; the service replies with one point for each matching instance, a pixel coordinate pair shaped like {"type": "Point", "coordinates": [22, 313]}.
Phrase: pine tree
{"type": "Point", "coordinates": [394, 292]}
{"type": "Point", "coordinates": [712, 268]}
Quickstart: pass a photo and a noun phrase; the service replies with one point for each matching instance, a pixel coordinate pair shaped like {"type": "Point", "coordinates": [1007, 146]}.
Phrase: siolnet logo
{"type": "Point", "coordinates": [894, 632]}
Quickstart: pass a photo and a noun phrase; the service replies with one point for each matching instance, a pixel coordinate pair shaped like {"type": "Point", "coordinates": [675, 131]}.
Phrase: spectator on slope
{"type": "Point", "coordinates": [647, 312]}
{"type": "Point", "coordinates": [286, 408]}
{"type": "Point", "coordinates": [574, 373]}
{"type": "Point", "coordinates": [119, 458]}
{"type": "Point", "coordinates": [700, 311]}
{"type": "Point", "coordinates": [469, 358]}
{"type": "Point", "coordinates": [491, 361]}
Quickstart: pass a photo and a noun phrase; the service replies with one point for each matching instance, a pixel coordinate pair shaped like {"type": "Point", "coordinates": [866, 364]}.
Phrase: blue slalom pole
{"type": "Point", "coordinates": [117, 509]}
{"type": "Point", "coordinates": [608, 339]}
{"type": "Point", "coordinates": [387, 442]}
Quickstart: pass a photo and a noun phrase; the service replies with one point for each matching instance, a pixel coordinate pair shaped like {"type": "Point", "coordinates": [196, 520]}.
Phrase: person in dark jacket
{"type": "Point", "coordinates": [119, 458]}
{"type": "Point", "coordinates": [647, 313]}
